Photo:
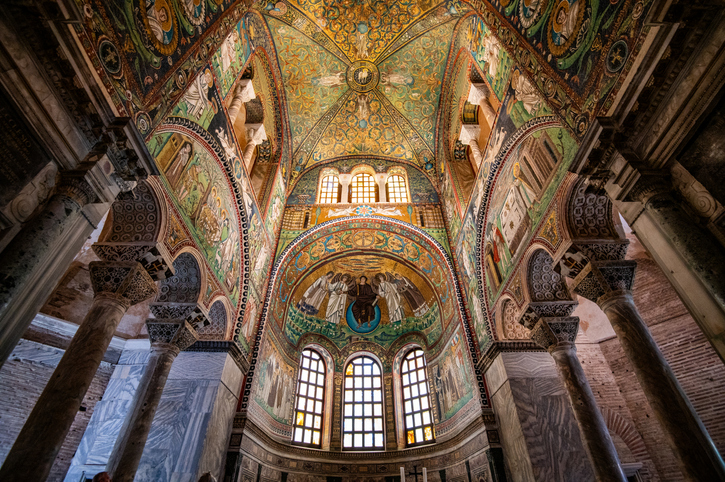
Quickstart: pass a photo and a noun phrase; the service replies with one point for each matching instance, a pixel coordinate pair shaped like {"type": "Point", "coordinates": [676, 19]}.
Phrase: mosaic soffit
{"type": "Point", "coordinates": [362, 77]}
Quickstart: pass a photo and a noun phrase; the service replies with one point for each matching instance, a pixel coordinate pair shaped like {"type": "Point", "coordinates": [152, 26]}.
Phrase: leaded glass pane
{"type": "Point", "coordinates": [418, 418]}
{"type": "Point", "coordinates": [310, 393]}
{"type": "Point", "coordinates": [362, 410]}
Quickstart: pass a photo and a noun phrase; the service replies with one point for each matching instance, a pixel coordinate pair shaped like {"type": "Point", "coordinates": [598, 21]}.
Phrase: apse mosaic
{"type": "Point", "coordinates": [372, 296]}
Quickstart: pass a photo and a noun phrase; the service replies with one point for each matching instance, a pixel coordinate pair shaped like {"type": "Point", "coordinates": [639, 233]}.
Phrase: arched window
{"type": "Point", "coordinates": [363, 188]}
{"type": "Point", "coordinates": [416, 402]}
{"type": "Point", "coordinates": [362, 418]}
{"type": "Point", "coordinates": [330, 189]}
{"type": "Point", "coordinates": [310, 400]}
{"type": "Point", "coordinates": [396, 189]}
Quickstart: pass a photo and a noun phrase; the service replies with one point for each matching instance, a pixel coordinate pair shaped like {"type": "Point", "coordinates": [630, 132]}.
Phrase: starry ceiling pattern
{"type": "Point", "coordinates": [362, 78]}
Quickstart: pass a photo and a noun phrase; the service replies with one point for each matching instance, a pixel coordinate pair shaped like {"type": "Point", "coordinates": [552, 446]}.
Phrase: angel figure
{"type": "Point", "coordinates": [412, 295]}
{"type": "Point", "coordinates": [384, 285]}
{"type": "Point", "coordinates": [312, 299]}
{"type": "Point", "coordinates": [338, 288]}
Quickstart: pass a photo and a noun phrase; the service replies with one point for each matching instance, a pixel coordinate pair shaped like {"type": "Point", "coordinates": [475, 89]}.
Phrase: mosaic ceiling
{"type": "Point", "coordinates": [362, 78]}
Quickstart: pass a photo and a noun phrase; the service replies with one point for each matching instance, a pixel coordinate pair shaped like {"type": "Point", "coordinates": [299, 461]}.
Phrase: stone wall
{"type": "Point", "coordinates": [22, 379]}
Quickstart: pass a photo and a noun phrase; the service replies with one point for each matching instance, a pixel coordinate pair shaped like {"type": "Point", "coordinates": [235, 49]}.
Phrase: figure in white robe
{"type": "Point", "coordinates": [312, 299]}
{"type": "Point", "coordinates": [196, 97]}
{"type": "Point", "coordinates": [389, 291]}
{"type": "Point", "coordinates": [526, 93]}
{"type": "Point", "coordinates": [337, 302]}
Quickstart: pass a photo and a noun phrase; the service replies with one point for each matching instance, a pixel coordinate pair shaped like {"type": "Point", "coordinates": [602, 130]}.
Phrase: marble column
{"type": "Point", "coordinates": [243, 92]}
{"type": "Point", "coordinates": [557, 335]}
{"type": "Point", "coordinates": [117, 286]}
{"type": "Point", "coordinates": [609, 284]}
{"type": "Point", "coordinates": [168, 338]}
{"type": "Point", "coordinates": [469, 137]}
{"type": "Point", "coordinates": [689, 254]}
{"type": "Point", "coordinates": [478, 95]}
{"type": "Point", "coordinates": [255, 135]}
{"type": "Point", "coordinates": [35, 242]}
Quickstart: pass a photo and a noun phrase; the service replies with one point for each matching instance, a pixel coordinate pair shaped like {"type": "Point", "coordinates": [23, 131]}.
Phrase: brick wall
{"type": "Point", "coordinates": [22, 379]}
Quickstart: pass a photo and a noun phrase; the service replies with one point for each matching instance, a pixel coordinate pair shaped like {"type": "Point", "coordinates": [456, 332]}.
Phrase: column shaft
{"type": "Point", "coordinates": [683, 429]}
{"type": "Point", "coordinates": [235, 106]}
{"type": "Point", "coordinates": [131, 441]}
{"type": "Point", "coordinates": [477, 155]}
{"type": "Point", "coordinates": [24, 255]}
{"type": "Point", "coordinates": [488, 112]}
{"type": "Point", "coordinates": [248, 154]}
{"type": "Point", "coordinates": [38, 443]}
{"type": "Point", "coordinates": [597, 441]}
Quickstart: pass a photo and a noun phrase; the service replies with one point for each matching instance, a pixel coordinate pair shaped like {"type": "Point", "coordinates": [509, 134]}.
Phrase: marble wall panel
{"type": "Point", "coordinates": [539, 433]}
{"type": "Point", "coordinates": [191, 429]}
{"type": "Point", "coordinates": [109, 414]}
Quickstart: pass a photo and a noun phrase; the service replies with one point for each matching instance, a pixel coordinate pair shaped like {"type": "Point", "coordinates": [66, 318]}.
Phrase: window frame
{"type": "Point", "coordinates": [373, 188]}
{"type": "Point", "coordinates": [322, 401]}
{"type": "Point", "coordinates": [334, 194]}
{"type": "Point", "coordinates": [354, 403]}
{"type": "Point", "coordinates": [403, 413]}
{"type": "Point", "coordinates": [403, 188]}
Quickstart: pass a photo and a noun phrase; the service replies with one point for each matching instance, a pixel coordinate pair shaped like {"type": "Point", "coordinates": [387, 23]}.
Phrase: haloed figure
{"type": "Point", "coordinates": [365, 299]}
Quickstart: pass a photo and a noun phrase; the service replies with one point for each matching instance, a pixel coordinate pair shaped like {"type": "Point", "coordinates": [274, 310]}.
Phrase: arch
{"type": "Point", "coordinates": [311, 392]}
{"type": "Point", "coordinates": [292, 258]}
{"type": "Point", "coordinates": [590, 215]}
{"type": "Point", "coordinates": [543, 283]}
{"type": "Point", "coordinates": [626, 431]}
{"type": "Point", "coordinates": [218, 316]}
{"type": "Point", "coordinates": [507, 325]}
{"type": "Point", "coordinates": [397, 186]}
{"type": "Point", "coordinates": [137, 216]}
{"type": "Point", "coordinates": [329, 189]}
{"type": "Point", "coordinates": [185, 285]}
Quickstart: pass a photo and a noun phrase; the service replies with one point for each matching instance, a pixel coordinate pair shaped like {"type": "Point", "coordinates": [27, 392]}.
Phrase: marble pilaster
{"type": "Point", "coordinates": [117, 285]}
{"type": "Point", "coordinates": [190, 431]}
{"type": "Point", "coordinates": [557, 336]}
{"type": "Point", "coordinates": [168, 338]}
{"type": "Point", "coordinates": [538, 431]}
{"type": "Point", "coordinates": [608, 281]}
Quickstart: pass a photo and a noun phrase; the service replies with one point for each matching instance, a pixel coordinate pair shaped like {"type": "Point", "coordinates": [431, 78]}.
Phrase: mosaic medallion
{"type": "Point", "coordinates": [363, 76]}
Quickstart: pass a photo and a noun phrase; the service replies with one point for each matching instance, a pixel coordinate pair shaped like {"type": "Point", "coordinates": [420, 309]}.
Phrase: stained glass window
{"type": "Point", "coordinates": [310, 399]}
{"type": "Point", "coordinates": [362, 418]}
{"type": "Point", "coordinates": [363, 188]}
{"type": "Point", "coordinates": [416, 402]}
{"type": "Point", "coordinates": [397, 193]}
{"type": "Point", "coordinates": [329, 189]}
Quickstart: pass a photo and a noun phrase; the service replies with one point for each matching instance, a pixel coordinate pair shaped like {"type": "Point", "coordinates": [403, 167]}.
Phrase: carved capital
{"type": "Point", "coordinates": [178, 334]}
{"type": "Point", "coordinates": [648, 187]}
{"type": "Point", "coordinates": [550, 333]}
{"type": "Point", "coordinates": [600, 278]}
{"type": "Point", "coordinates": [128, 280]}
{"type": "Point", "coordinates": [546, 309]}
{"type": "Point", "coordinates": [188, 312]}
{"type": "Point", "coordinates": [74, 186]}
{"type": "Point", "coordinates": [154, 257]}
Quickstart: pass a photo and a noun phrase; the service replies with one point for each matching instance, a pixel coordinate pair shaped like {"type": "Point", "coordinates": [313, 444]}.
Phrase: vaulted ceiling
{"type": "Point", "coordinates": [362, 78]}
